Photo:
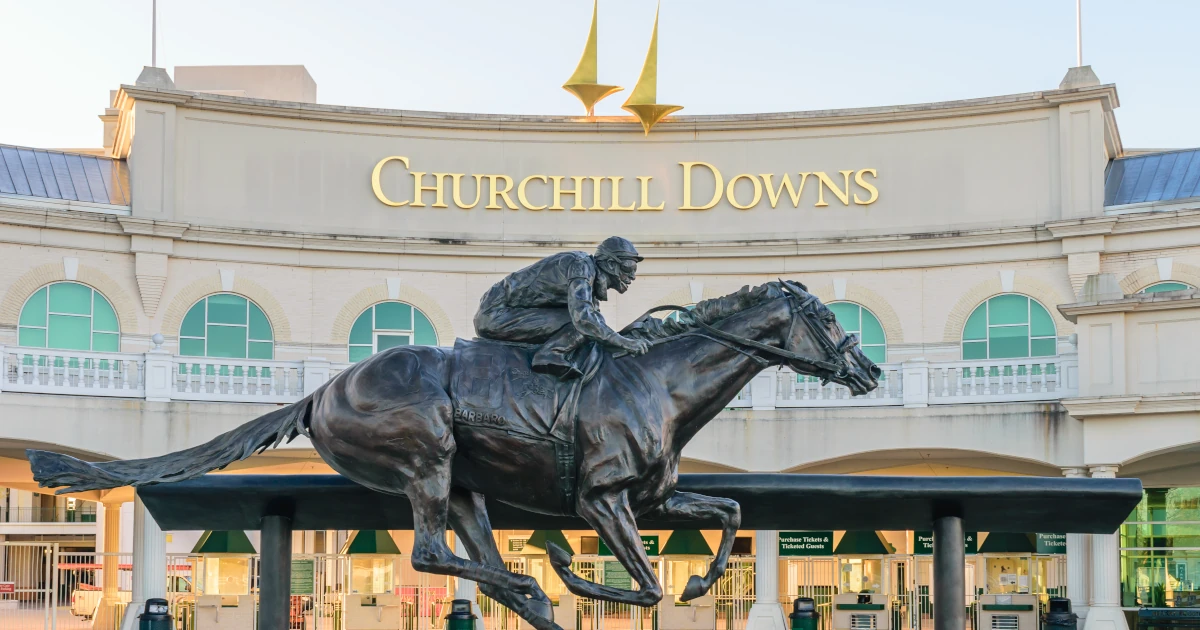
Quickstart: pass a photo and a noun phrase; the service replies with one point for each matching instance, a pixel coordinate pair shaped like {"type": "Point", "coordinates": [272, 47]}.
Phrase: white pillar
{"type": "Point", "coordinates": [467, 589]}
{"type": "Point", "coordinates": [149, 563]}
{"type": "Point", "coordinates": [1105, 612]}
{"type": "Point", "coordinates": [766, 614]}
{"type": "Point", "coordinates": [1079, 564]}
{"type": "Point", "coordinates": [109, 519]}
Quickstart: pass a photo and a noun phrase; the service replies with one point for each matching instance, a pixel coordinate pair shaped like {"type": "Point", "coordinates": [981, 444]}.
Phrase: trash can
{"type": "Point", "coordinates": [1059, 616]}
{"type": "Point", "coordinates": [804, 614]}
{"type": "Point", "coordinates": [460, 617]}
{"type": "Point", "coordinates": [155, 616]}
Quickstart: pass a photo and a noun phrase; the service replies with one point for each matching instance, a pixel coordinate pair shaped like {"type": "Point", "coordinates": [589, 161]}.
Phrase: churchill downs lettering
{"type": "Point", "coordinates": [703, 187]}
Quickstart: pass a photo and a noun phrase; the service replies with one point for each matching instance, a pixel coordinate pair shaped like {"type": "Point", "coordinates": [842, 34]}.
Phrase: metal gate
{"type": "Point", "coordinates": [734, 594]}
{"type": "Point", "coordinates": [815, 578]}
{"type": "Point", "coordinates": [56, 590]}
{"type": "Point", "coordinates": [593, 614]}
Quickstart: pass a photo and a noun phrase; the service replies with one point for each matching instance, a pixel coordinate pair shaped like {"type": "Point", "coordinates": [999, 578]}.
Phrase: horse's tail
{"type": "Point", "coordinates": [266, 431]}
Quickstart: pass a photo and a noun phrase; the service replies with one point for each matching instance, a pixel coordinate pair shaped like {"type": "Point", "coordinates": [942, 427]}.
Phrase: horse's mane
{"type": "Point", "coordinates": [708, 311]}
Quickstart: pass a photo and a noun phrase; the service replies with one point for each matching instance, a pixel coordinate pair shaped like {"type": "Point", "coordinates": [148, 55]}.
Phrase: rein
{"type": "Point", "coordinates": [836, 365]}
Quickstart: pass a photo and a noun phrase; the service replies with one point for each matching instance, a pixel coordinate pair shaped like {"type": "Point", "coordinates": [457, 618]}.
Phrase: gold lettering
{"type": "Point", "coordinates": [645, 203]}
{"type": "Point", "coordinates": [773, 194]}
{"type": "Point", "coordinates": [616, 195]}
{"type": "Point", "coordinates": [508, 184]}
{"type": "Point", "coordinates": [858, 179]}
{"type": "Point", "coordinates": [521, 193]}
{"type": "Point", "coordinates": [823, 180]}
{"type": "Point", "coordinates": [375, 180]}
{"type": "Point", "coordinates": [731, 192]}
{"type": "Point", "coordinates": [419, 190]}
{"type": "Point", "coordinates": [456, 180]}
{"type": "Point", "coordinates": [596, 181]}
{"type": "Point", "coordinates": [576, 193]}
{"type": "Point", "coordinates": [687, 186]}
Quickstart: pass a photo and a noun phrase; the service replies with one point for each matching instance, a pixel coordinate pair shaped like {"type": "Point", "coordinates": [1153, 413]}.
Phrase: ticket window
{"type": "Point", "coordinates": [1007, 574]}
{"type": "Point", "coordinates": [371, 574]}
{"type": "Point", "coordinates": [226, 575]}
{"type": "Point", "coordinates": [861, 575]}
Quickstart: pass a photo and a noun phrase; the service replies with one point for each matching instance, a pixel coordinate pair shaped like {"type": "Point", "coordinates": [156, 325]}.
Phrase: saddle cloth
{"type": "Point", "coordinates": [493, 385]}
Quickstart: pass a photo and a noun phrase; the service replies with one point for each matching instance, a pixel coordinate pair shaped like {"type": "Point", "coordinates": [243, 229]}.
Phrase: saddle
{"type": "Point", "coordinates": [493, 387]}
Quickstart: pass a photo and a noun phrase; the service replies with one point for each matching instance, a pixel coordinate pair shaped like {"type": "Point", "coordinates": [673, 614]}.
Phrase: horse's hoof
{"type": "Point", "coordinates": [695, 588]}
{"type": "Point", "coordinates": [558, 556]}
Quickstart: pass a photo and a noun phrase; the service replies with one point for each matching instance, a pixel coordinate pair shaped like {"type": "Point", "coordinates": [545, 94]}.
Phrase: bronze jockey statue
{"type": "Point", "coordinates": [555, 302]}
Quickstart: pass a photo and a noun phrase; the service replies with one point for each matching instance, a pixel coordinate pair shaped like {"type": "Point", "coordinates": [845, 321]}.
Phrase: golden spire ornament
{"type": "Point", "coordinates": [583, 83]}
{"type": "Point", "coordinates": [643, 100]}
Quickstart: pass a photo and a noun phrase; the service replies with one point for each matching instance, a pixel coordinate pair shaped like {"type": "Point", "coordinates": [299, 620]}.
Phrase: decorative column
{"type": "Point", "coordinates": [149, 563]}
{"type": "Point", "coordinates": [467, 589]}
{"type": "Point", "coordinates": [1079, 561]}
{"type": "Point", "coordinates": [766, 613]}
{"type": "Point", "coordinates": [108, 615]}
{"type": "Point", "coordinates": [1105, 612]}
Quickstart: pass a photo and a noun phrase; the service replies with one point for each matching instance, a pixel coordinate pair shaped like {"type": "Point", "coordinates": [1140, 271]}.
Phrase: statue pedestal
{"type": "Point", "coordinates": [765, 617]}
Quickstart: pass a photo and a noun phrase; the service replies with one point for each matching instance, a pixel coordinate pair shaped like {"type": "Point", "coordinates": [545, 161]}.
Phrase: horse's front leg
{"type": "Point", "coordinates": [701, 507]}
{"type": "Point", "coordinates": [611, 517]}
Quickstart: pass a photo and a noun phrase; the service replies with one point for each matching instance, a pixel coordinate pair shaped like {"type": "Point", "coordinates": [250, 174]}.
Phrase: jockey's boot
{"type": "Point", "coordinates": [554, 357]}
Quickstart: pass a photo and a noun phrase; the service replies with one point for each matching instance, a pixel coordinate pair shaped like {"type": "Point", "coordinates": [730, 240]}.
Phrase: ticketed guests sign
{"type": "Point", "coordinates": [923, 542]}
{"type": "Point", "coordinates": [806, 543]}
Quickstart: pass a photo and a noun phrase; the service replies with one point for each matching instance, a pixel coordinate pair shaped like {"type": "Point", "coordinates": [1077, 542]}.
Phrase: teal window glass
{"type": "Point", "coordinates": [69, 316]}
{"type": "Point", "coordinates": [388, 325]}
{"type": "Point", "coordinates": [674, 315]}
{"type": "Point", "coordinates": [1160, 550]}
{"type": "Point", "coordinates": [226, 326]}
{"type": "Point", "coordinates": [1009, 326]}
{"type": "Point", "coordinates": [1166, 286]}
{"type": "Point", "coordinates": [857, 320]}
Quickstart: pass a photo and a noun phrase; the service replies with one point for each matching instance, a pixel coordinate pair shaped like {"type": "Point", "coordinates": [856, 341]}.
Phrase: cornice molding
{"type": "Point", "coordinates": [1085, 407]}
{"type": "Point", "coordinates": [1081, 227]}
{"type": "Point", "coordinates": [1141, 302]}
{"type": "Point", "coordinates": [150, 227]}
{"type": "Point", "coordinates": [1106, 94]}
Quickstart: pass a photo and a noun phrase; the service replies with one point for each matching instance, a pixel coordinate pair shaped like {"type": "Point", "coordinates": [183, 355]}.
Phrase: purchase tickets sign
{"type": "Point", "coordinates": [806, 543]}
{"type": "Point", "coordinates": [649, 544]}
{"type": "Point", "coordinates": [923, 542]}
{"type": "Point", "coordinates": [1051, 543]}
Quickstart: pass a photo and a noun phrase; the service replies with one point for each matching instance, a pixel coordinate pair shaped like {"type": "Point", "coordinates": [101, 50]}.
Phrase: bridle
{"type": "Point", "coordinates": [802, 303]}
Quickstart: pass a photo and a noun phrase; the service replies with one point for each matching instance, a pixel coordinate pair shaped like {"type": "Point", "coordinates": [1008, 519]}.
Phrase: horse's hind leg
{"type": "Point", "coordinates": [429, 493]}
{"type": "Point", "coordinates": [468, 517]}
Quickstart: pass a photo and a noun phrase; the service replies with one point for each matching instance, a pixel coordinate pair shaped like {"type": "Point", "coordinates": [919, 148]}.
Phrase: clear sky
{"type": "Point", "coordinates": [60, 58]}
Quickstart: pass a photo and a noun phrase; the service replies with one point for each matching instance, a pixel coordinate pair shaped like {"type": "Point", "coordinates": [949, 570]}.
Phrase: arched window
{"type": "Point", "coordinates": [387, 325]}
{"type": "Point", "coordinates": [1009, 326]}
{"type": "Point", "coordinates": [1167, 286]}
{"type": "Point", "coordinates": [69, 316]}
{"type": "Point", "coordinates": [862, 322]}
{"type": "Point", "coordinates": [226, 326]}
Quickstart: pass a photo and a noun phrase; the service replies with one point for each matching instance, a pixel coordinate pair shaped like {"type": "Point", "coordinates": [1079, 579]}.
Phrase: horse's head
{"type": "Point", "coordinates": [820, 347]}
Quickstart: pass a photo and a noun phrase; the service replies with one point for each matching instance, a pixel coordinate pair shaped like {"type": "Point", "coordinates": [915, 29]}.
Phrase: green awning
{"type": "Point", "coordinates": [536, 545]}
{"type": "Point", "coordinates": [686, 542]}
{"type": "Point", "coordinates": [234, 541]}
{"type": "Point", "coordinates": [371, 541]}
{"type": "Point", "coordinates": [863, 543]}
{"type": "Point", "coordinates": [1004, 542]}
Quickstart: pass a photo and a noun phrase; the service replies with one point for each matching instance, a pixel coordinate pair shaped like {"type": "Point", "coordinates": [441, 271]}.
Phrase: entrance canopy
{"type": "Point", "coordinates": [769, 501]}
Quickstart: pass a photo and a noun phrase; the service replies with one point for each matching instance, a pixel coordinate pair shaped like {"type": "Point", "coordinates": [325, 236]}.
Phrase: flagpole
{"type": "Point", "coordinates": [1078, 33]}
{"type": "Point", "coordinates": [154, 33]}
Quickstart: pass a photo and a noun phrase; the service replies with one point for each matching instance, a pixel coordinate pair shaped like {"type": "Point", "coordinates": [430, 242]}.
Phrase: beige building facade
{"type": "Point", "coordinates": [1026, 283]}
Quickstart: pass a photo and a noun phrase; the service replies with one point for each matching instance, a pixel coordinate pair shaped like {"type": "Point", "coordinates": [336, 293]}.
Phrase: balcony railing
{"type": "Point", "coordinates": [160, 376]}
{"type": "Point", "coordinates": [920, 383]}
{"type": "Point", "coordinates": [46, 515]}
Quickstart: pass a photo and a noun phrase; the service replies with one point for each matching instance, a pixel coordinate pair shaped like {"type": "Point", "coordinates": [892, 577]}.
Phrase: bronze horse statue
{"type": "Point", "coordinates": [390, 423]}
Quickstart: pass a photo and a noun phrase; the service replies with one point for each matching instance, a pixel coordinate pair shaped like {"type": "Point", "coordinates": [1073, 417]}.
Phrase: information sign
{"type": "Point", "coordinates": [8, 587]}
{"type": "Point", "coordinates": [649, 543]}
{"type": "Point", "coordinates": [616, 576]}
{"type": "Point", "coordinates": [302, 576]}
{"type": "Point", "coordinates": [1051, 543]}
{"type": "Point", "coordinates": [923, 543]}
{"type": "Point", "coordinates": [516, 545]}
{"type": "Point", "coordinates": [806, 543]}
